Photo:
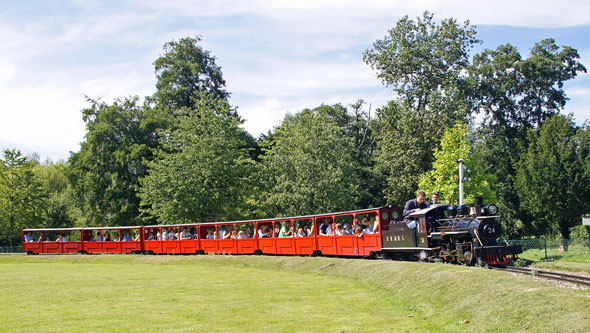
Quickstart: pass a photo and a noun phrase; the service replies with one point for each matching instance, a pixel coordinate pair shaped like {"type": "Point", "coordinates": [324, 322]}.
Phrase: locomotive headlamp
{"type": "Point", "coordinates": [490, 209]}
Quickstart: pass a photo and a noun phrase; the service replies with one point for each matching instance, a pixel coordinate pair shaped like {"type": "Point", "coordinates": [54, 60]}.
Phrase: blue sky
{"type": "Point", "coordinates": [276, 56]}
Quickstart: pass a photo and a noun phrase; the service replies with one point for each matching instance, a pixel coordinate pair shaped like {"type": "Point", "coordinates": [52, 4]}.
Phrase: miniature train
{"type": "Point", "coordinates": [438, 233]}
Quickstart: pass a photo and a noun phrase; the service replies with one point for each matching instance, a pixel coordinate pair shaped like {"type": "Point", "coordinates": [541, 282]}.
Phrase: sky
{"type": "Point", "coordinates": [276, 56]}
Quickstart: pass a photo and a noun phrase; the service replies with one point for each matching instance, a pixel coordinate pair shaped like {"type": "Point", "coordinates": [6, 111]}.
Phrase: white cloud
{"type": "Point", "coordinates": [277, 56]}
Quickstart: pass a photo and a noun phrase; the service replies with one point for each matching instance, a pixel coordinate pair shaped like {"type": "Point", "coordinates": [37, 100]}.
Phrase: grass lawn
{"type": "Point", "coordinates": [260, 293]}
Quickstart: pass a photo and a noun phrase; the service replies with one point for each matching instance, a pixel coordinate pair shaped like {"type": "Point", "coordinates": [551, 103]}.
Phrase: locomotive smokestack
{"type": "Point", "coordinates": [478, 203]}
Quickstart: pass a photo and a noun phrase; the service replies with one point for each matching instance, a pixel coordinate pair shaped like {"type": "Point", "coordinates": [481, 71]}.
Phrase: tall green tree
{"type": "Point", "coordinates": [22, 199]}
{"type": "Point", "coordinates": [199, 173]}
{"type": "Point", "coordinates": [553, 181]}
{"type": "Point", "coordinates": [62, 211]}
{"type": "Point", "coordinates": [456, 144]}
{"type": "Point", "coordinates": [516, 94]}
{"type": "Point", "coordinates": [183, 72]}
{"type": "Point", "coordinates": [308, 167]}
{"type": "Point", "coordinates": [423, 62]}
{"type": "Point", "coordinates": [105, 173]}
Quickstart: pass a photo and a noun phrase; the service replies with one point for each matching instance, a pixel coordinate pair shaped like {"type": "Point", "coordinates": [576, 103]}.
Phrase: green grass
{"type": "Point", "coordinates": [576, 259]}
{"type": "Point", "coordinates": [260, 293]}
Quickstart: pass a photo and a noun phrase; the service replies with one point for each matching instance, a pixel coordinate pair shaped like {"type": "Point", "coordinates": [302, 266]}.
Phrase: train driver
{"type": "Point", "coordinates": [415, 204]}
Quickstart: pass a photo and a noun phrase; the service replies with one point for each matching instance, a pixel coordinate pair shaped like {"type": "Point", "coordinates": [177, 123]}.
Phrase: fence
{"type": "Point", "coordinates": [11, 249]}
{"type": "Point", "coordinates": [549, 249]}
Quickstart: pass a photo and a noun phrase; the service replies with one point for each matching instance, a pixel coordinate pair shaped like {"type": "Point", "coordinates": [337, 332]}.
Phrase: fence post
{"type": "Point", "coordinates": [546, 259]}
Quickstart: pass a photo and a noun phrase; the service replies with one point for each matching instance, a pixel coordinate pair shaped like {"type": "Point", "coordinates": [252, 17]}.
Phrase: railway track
{"type": "Point", "coordinates": [564, 277]}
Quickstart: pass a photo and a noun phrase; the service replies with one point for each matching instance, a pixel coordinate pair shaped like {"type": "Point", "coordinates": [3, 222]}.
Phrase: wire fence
{"type": "Point", "coordinates": [11, 249]}
{"type": "Point", "coordinates": [553, 249]}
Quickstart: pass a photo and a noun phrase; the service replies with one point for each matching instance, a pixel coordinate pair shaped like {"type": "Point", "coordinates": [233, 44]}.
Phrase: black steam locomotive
{"type": "Point", "coordinates": [455, 234]}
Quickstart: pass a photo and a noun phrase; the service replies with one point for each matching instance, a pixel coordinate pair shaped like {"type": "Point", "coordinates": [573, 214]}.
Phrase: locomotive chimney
{"type": "Point", "coordinates": [478, 203]}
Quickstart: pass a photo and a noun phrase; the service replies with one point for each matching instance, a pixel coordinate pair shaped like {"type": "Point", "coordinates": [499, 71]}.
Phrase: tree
{"type": "Point", "coordinates": [198, 174]}
{"type": "Point", "coordinates": [61, 209]}
{"type": "Point", "coordinates": [308, 167]}
{"type": "Point", "coordinates": [553, 181]}
{"type": "Point", "coordinates": [22, 200]}
{"type": "Point", "coordinates": [455, 145]}
{"type": "Point", "coordinates": [516, 94]}
{"type": "Point", "coordinates": [424, 63]}
{"type": "Point", "coordinates": [105, 173]}
{"type": "Point", "coordinates": [184, 72]}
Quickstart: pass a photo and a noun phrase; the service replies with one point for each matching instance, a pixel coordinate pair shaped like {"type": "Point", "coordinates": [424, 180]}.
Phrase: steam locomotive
{"type": "Point", "coordinates": [448, 233]}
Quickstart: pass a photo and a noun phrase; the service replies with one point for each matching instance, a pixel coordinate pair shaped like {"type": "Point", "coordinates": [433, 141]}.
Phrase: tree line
{"type": "Point", "coordinates": [181, 155]}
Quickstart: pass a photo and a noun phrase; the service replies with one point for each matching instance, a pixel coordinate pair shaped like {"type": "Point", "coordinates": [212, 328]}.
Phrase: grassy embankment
{"type": "Point", "coordinates": [576, 259]}
{"type": "Point", "coordinates": [259, 293]}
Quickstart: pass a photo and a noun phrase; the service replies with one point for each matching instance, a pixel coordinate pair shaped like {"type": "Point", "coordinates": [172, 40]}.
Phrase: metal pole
{"type": "Point", "coordinates": [546, 250]}
{"type": "Point", "coordinates": [460, 161]}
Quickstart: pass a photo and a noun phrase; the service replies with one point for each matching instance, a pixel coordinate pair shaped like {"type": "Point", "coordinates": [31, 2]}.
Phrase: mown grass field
{"type": "Point", "coordinates": [260, 293]}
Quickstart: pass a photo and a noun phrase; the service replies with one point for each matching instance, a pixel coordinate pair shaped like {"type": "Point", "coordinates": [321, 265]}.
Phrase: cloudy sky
{"type": "Point", "coordinates": [276, 56]}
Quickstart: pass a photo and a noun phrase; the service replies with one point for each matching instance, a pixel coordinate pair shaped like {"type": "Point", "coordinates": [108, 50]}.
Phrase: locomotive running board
{"type": "Point", "coordinates": [409, 248]}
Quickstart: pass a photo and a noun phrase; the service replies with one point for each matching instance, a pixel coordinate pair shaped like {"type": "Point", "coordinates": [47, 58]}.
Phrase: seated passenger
{"type": "Point", "coordinates": [300, 232]}
{"type": "Point", "coordinates": [184, 234]}
{"type": "Point", "coordinates": [209, 234]}
{"type": "Point", "coordinates": [277, 229]}
{"type": "Point", "coordinates": [230, 235]}
{"type": "Point", "coordinates": [330, 229]}
{"type": "Point", "coordinates": [309, 231]}
{"type": "Point", "coordinates": [28, 236]}
{"type": "Point", "coordinates": [98, 238]}
{"type": "Point", "coordinates": [127, 237]}
{"type": "Point", "coordinates": [151, 235]}
{"type": "Point", "coordinates": [221, 232]}
{"type": "Point", "coordinates": [415, 204]}
{"type": "Point", "coordinates": [286, 230]}
{"type": "Point", "coordinates": [171, 234]}
{"type": "Point", "coordinates": [347, 229]}
{"type": "Point", "coordinates": [374, 223]}
{"type": "Point", "coordinates": [107, 237]}
{"type": "Point", "coordinates": [241, 234]}
{"type": "Point", "coordinates": [323, 227]}
{"type": "Point", "coordinates": [63, 238]}
{"type": "Point", "coordinates": [359, 231]}
{"type": "Point", "coordinates": [263, 231]}
{"type": "Point", "coordinates": [339, 230]}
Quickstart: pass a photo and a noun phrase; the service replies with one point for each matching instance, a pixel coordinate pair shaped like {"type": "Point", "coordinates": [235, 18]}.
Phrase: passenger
{"type": "Point", "coordinates": [374, 223]}
{"type": "Point", "coordinates": [247, 231]}
{"type": "Point", "coordinates": [63, 238]}
{"type": "Point", "coordinates": [347, 229]}
{"type": "Point", "coordinates": [230, 235]}
{"type": "Point", "coordinates": [309, 231]}
{"type": "Point", "coordinates": [185, 234]}
{"type": "Point", "coordinates": [300, 232]}
{"type": "Point", "coordinates": [435, 199]}
{"type": "Point", "coordinates": [286, 230]}
{"type": "Point", "coordinates": [196, 235]}
{"type": "Point", "coordinates": [415, 204]}
{"type": "Point", "coordinates": [107, 237]}
{"type": "Point", "coordinates": [263, 231]}
{"type": "Point", "coordinates": [151, 235]}
{"type": "Point", "coordinates": [172, 235]}
{"type": "Point", "coordinates": [323, 227]}
{"type": "Point", "coordinates": [91, 238]}
{"type": "Point", "coordinates": [28, 236]}
{"type": "Point", "coordinates": [127, 237]}
{"type": "Point", "coordinates": [339, 230]}
{"type": "Point", "coordinates": [241, 234]}
{"type": "Point", "coordinates": [359, 231]}
{"type": "Point", "coordinates": [98, 237]}
{"type": "Point", "coordinates": [277, 229]}
{"type": "Point", "coordinates": [210, 234]}
{"type": "Point", "coordinates": [221, 232]}
{"type": "Point", "coordinates": [330, 229]}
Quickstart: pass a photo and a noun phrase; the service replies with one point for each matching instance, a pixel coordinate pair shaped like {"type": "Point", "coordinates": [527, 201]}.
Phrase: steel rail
{"type": "Point", "coordinates": [571, 278]}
